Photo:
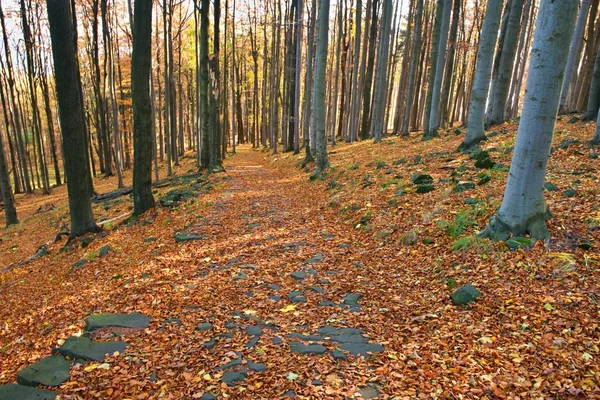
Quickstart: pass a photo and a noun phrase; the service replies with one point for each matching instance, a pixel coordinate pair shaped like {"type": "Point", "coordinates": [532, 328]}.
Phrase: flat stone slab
{"type": "Point", "coordinates": [85, 349]}
{"type": "Point", "coordinates": [103, 320]}
{"type": "Point", "coordinates": [49, 371]}
{"type": "Point", "coordinates": [299, 275]}
{"type": "Point", "coordinates": [19, 392]}
{"type": "Point", "coordinates": [205, 326]}
{"type": "Point", "coordinates": [352, 299]}
{"type": "Point", "coordinates": [233, 378]}
{"type": "Point", "coordinates": [188, 236]}
{"type": "Point", "coordinates": [258, 367]}
{"type": "Point", "coordinates": [362, 349]}
{"type": "Point", "coordinates": [297, 347]}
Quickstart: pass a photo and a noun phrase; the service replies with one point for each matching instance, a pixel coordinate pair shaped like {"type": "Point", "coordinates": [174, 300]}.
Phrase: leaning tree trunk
{"type": "Point", "coordinates": [483, 75]}
{"type": "Point", "coordinates": [319, 106]}
{"type": "Point", "coordinates": [141, 61]}
{"type": "Point", "coordinates": [573, 53]}
{"type": "Point", "coordinates": [380, 75]}
{"type": "Point", "coordinates": [507, 60]}
{"type": "Point", "coordinates": [72, 119]}
{"type": "Point", "coordinates": [434, 113]}
{"type": "Point", "coordinates": [523, 210]}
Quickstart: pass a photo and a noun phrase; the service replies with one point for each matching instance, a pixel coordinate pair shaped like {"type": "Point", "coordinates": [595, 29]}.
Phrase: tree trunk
{"type": "Point", "coordinates": [366, 110]}
{"type": "Point", "coordinates": [72, 120]}
{"type": "Point", "coordinates": [141, 67]}
{"type": "Point", "coordinates": [381, 73]}
{"type": "Point", "coordinates": [439, 72]}
{"type": "Point", "coordinates": [203, 105]}
{"type": "Point", "coordinates": [412, 75]}
{"type": "Point", "coordinates": [308, 84]}
{"type": "Point", "coordinates": [523, 210]}
{"type": "Point", "coordinates": [319, 105]}
{"type": "Point", "coordinates": [507, 60]}
{"type": "Point", "coordinates": [10, 212]}
{"type": "Point", "coordinates": [483, 75]}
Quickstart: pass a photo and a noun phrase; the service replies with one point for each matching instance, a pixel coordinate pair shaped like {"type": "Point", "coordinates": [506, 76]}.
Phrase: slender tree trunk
{"type": "Point", "coordinates": [308, 84]}
{"type": "Point", "coordinates": [439, 72]}
{"type": "Point", "coordinates": [483, 75]}
{"type": "Point", "coordinates": [204, 111]}
{"type": "Point", "coordinates": [412, 75]}
{"type": "Point", "coordinates": [355, 91]}
{"type": "Point", "coordinates": [10, 212]}
{"type": "Point", "coordinates": [573, 51]}
{"type": "Point", "coordinates": [507, 60]}
{"type": "Point", "coordinates": [381, 73]}
{"type": "Point", "coordinates": [366, 110]}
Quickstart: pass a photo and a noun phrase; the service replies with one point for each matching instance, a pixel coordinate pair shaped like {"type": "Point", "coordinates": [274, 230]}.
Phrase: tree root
{"type": "Point", "coordinates": [535, 226]}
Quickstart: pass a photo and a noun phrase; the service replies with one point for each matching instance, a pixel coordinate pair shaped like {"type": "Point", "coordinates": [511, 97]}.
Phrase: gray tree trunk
{"type": "Point", "coordinates": [319, 106]}
{"type": "Point", "coordinates": [141, 62]}
{"type": "Point", "coordinates": [354, 94]}
{"type": "Point", "coordinates": [573, 53]}
{"type": "Point", "coordinates": [435, 42]}
{"type": "Point", "coordinates": [10, 212]}
{"type": "Point", "coordinates": [507, 60]}
{"type": "Point", "coordinates": [72, 119]}
{"type": "Point", "coordinates": [483, 75]}
{"type": "Point", "coordinates": [596, 139]}
{"type": "Point", "coordinates": [434, 114]}
{"type": "Point", "coordinates": [594, 94]}
{"type": "Point", "coordinates": [523, 210]}
{"type": "Point", "coordinates": [297, 70]}
{"type": "Point", "coordinates": [308, 85]}
{"type": "Point", "coordinates": [413, 69]}
{"type": "Point", "coordinates": [381, 72]}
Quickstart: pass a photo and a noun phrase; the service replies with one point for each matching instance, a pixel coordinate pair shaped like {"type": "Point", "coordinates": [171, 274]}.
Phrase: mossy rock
{"type": "Point", "coordinates": [465, 295]}
{"type": "Point", "coordinates": [483, 160]}
{"type": "Point", "coordinates": [103, 320]}
{"type": "Point", "coordinates": [551, 187]}
{"type": "Point", "coordinates": [425, 188]}
{"type": "Point", "coordinates": [421, 179]}
{"type": "Point", "coordinates": [463, 186]}
{"type": "Point", "coordinates": [569, 193]}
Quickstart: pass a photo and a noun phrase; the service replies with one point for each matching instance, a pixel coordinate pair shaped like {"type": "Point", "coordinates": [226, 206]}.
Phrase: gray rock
{"type": "Point", "coordinates": [273, 287]}
{"type": "Point", "coordinates": [258, 367]}
{"type": "Point", "coordinates": [205, 326]}
{"type": "Point", "coordinates": [208, 396]}
{"type": "Point", "coordinates": [551, 187]}
{"type": "Point", "coordinates": [338, 355]}
{"type": "Point", "coordinates": [299, 299]}
{"type": "Point", "coordinates": [276, 340]}
{"type": "Point", "coordinates": [188, 236]}
{"type": "Point", "coordinates": [104, 251]}
{"type": "Point", "coordinates": [317, 382]}
{"type": "Point", "coordinates": [275, 298]}
{"type": "Point", "coordinates": [210, 344]}
{"type": "Point", "coordinates": [253, 330]}
{"type": "Point", "coordinates": [308, 338]}
{"type": "Point", "coordinates": [326, 303]}
{"type": "Point", "coordinates": [232, 363]}
{"type": "Point", "coordinates": [85, 349]}
{"type": "Point", "coordinates": [362, 349]}
{"type": "Point", "coordinates": [253, 342]}
{"type": "Point", "coordinates": [465, 294]}
{"type": "Point", "coordinates": [299, 275]}
{"type": "Point", "coordinates": [49, 371]}
{"type": "Point", "coordinates": [463, 186]}
{"type": "Point", "coordinates": [294, 293]}
{"type": "Point", "coordinates": [315, 259]}
{"type": "Point", "coordinates": [569, 193]}
{"type": "Point", "coordinates": [19, 392]}
{"type": "Point", "coordinates": [297, 347]}
{"type": "Point", "coordinates": [421, 179]}
{"type": "Point", "coordinates": [289, 393]}
{"type": "Point", "coordinates": [346, 338]}
{"type": "Point", "coordinates": [233, 378]}
{"type": "Point", "coordinates": [352, 299]}
{"type": "Point", "coordinates": [102, 320]}
{"type": "Point", "coordinates": [240, 276]}
{"type": "Point", "coordinates": [317, 289]}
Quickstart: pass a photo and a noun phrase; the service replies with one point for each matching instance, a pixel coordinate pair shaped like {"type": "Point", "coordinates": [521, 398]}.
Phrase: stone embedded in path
{"type": "Point", "coordinates": [294, 293]}
{"type": "Point", "coordinates": [463, 186]}
{"type": "Point", "coordinates": [362, 349]}
{"type": "Point", "coordinates": [104, 251]}
{"type": "Point", "coordinates": [465, 294]}
{"type": "Point", "coordinates": [20, 392]}
{"type": "Point", "coordinates": [351, 299]}
{"type": "Point", "coordinates": [299, 275]}
{"type": "Point", "coordinates": [368, 393]}
{"type": "Point", "coordinates": [299, 299]}
{"type": "Point", "coordinates": [49, 371]}
{"type": "Point", "coordinates": [258, 367]}
{"type": "Point", "coordinates": [317, 289]}
{"type": "Point", "coordinates": [273, 287]}
{"type": "Point", "coordinates": [188, 236]}
{"type": "Point", "coordinates": [232, 363]}
{"type": "Point", "coordinates": [421, 179]}
{"type": "Point", "coordinates": [240, 276]}
{"type": "Point", "coordinates": [208, 396]}
{"type": "Point", "coordinates": [85, 349]}
{"type": "Point", "coordinates": [314, 259]}
{"type": "Point", "coordinates": [254, 330]}
{"type": "Point", "coordinates": [233, 378]}
{"type": "Point", "coordinates": [205, 326]}
{"type": "Point", "coordinates": [297, 347]}
{"type": "Point", "coordinates": [103, 320]}
{"type": "Point", "coordinates": [338, 355]}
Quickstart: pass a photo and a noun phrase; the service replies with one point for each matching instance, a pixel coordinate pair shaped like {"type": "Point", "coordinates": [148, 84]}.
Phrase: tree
{"type": "Point", "coordinates": [10, 212]}
{"type": "Point", "coordinates": [435, 41]}
{"type": "Point", "coordinates": [319, 105]}
{"type": "Point", "coordinates": [62, 21]}
{"type": "Point", "coordinates": [381, 73]}
{"type": "Point", "coordinates": [483, 75]}
{"type": "Point", "coordinates": [439, 72]}
{"type": "Point", "coordinates": [141, 61]}
{"type": "Point", "coordinates": [523, 210]}
{"type": "Point", "coordinates": [413, 69]}
{"type": "Point", "coordinates": [507, 59]}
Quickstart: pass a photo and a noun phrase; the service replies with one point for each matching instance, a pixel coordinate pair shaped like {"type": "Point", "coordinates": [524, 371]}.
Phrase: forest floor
{"type": "Point", "coordinates": [281, 262]}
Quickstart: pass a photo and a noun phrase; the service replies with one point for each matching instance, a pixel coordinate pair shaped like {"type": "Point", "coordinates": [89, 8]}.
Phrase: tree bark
{"type": "Point", "coordinates": [523, 210]}
{"type": "Point", "coordinates": [381, 73]}
{"type": "Point", "coordinates": [72, 119]}
{"type": "Point", "coordinates": [319, 105]}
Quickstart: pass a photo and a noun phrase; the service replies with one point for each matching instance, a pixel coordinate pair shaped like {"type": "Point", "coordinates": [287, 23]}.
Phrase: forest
{"type": "Point", "coordinates": [359, 199]}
